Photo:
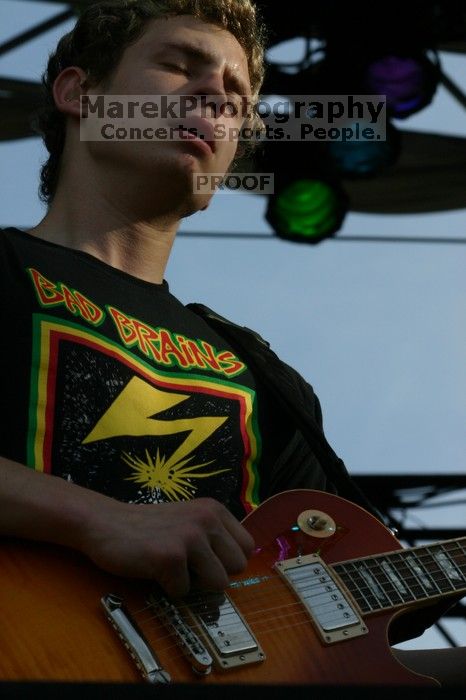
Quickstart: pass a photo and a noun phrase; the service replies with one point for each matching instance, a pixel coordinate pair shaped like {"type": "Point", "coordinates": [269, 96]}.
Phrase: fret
{"type": "Point", "coordinates": [373, 583]}
{"type": "Point", "coordinates": [449, 567]}
{"type": "Point", "coordinates": [393, 579]}
{"type": "Point", "coordinates": [457, 553]}
{"type": "Point", "coordinates": [362, 594]}
{"type": "Point", "coordinates": [462, 554]}
{"type": "Point", "coordinates": [406, 567]}
{"type": "Point", "coordinates": [435, 571]}
{"type": "Point", "coordinates": [396, 581]}
{"type": "Point", "coordinates": [380, 572]}
{"type": "Point", "coordinates": [398, 577]}
{"type": "Point", "coordinates": [424, 581]}
{"type": "Point", "coordinates": [347, 579]}
{"type": "Point", "coordinates": [433, 586]}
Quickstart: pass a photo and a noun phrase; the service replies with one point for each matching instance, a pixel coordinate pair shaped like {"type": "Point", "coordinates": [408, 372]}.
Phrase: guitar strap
{"type": "Point", "coordinates": [293, 395]}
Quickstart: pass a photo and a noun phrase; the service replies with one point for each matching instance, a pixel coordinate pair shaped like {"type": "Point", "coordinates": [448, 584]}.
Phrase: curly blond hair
{"type": "Point", "coordinates": [97, 43]}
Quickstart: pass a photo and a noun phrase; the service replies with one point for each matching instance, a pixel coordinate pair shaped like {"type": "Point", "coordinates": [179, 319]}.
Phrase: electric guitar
{"type": "Point", "coordinates": [323, 587]}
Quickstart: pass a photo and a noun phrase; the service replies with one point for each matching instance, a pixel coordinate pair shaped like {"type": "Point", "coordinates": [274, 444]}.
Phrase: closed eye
{"type": "Point", "coordinates": [176, 67]}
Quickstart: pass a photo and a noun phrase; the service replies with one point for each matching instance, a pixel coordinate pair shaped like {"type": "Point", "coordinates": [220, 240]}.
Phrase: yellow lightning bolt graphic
{"type": "Point", "coordinates": [130, 414]}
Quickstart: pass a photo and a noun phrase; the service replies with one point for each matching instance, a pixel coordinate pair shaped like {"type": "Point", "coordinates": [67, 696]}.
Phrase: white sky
{"type": "Point", "coordinates": [377, 328]}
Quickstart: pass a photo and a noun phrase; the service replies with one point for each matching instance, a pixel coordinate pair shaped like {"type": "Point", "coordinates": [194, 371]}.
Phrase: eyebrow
{"type": "Point", "coordinates": [205, 56]}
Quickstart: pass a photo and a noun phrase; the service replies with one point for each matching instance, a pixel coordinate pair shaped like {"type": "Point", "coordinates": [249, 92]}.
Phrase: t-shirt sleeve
{"type": "Point", "coordinates": [297, 468]}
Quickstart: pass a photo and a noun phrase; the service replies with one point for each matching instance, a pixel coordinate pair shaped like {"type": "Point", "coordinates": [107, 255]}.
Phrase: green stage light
{"type": "Point", "coordinates": [307, 210]}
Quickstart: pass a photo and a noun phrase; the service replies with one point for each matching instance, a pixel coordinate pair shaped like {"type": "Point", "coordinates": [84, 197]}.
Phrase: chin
{"type": "Point", "coordinates": [195, 206]}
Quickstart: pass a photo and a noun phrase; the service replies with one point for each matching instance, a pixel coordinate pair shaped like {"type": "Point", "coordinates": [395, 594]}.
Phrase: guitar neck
{"type": "Point", "coordinates": [394, 579]}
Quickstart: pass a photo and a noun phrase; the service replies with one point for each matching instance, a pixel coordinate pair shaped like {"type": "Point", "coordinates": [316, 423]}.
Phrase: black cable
{"type": "Point", "coordinates": [358, 239]}
{"type": "Point", "coordinates": [32, 33]}
{"type": "Point", "coordinates": [272, 237]}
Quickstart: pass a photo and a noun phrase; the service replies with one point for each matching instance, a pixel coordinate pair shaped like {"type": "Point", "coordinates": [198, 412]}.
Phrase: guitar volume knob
{"type": "Point", "coordinates": [316, 523]}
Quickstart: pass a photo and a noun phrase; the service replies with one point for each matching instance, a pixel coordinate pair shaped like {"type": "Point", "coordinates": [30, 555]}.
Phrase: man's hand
{"type": "Point", "coordinates": [193, 544]}
{"type": "Point", "coordinates": [180, 545]}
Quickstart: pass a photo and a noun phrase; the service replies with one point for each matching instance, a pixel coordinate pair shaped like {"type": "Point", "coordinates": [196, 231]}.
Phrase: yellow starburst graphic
{"type": "Point", "coordinates": [134, 412]}
{"type": "Point", "coordinates": [161, 476]}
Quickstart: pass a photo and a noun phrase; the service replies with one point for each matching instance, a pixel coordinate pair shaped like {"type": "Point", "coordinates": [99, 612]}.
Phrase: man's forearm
{"type": "Point", "coordinates": [40, 506]}
{"type": "Point", "coordinates": [176, 544]}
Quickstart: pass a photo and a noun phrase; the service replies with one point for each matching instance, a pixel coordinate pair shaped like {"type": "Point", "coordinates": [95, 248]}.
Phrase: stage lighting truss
{"type": "Point", "coordinates": [310, 203]}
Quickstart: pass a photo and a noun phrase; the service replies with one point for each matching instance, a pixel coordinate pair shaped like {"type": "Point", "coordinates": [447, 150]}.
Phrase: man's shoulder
{"type": "Point", "coordinates": [5, 232]}
{"type": "Point", "coordinates": [214, 317]}
{"type": "Point", "coordinates": [256, 348]}
{"type": "Point", "coordinates": [8, 236]}
{"type": "Point", "coordinates": [12, 237]}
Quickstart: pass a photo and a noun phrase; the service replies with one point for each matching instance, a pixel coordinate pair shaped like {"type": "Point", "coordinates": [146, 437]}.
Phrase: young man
{"type": "Point", "coordinates": [140, 431]}
{"type": "Point", "coordinates": [121, 397]}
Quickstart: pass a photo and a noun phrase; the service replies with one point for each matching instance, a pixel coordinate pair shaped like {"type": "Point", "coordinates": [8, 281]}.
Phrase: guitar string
{"type": "Point", "coordinates": [371, 563]}
{"type": "Point", "coordinates": [250, 614]}
{"type": "Point", "coordinates": [437, 575]}
{"type": "Point", "coordinates": [301, 611]}
{"type": "Point", "coordinates": [171, 634]}
{"type": "Point", "coordinates": [261, 632]}
{"type": "Point", "coordinates": [389, 588]}
{"type": "Point", "coordinates": [286, 626]}
{"type": "Point", "coordinates": [298, 604]}
{"type": "Point", "coordinates": [185, 604]}
{"type": "Point", "coordinates": [253, 613]}
{"type": "Point", "coordinates": [180, 655]}
{"type": "Point", "coordinates": [236, 591]}
{"type": "Point", "coordinates": [237, 595]}
{"type": "Point", "coordinates": [427, 559]}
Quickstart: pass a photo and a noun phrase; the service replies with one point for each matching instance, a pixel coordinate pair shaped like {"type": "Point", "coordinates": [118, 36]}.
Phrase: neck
{"type": "Point", "coordinates": [137, 245]}
{"type": "Point", "coordinates": [126, 217]}
{"type": "Point", "coordinates": [406, 576]}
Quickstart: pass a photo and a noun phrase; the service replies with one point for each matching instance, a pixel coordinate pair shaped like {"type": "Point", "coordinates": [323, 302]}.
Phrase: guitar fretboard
{"type": "Point", "coordinates": [391, 580]}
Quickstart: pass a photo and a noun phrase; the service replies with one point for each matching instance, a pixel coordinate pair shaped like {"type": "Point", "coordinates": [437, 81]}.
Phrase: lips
{"type": "Point", "coordinates": [198, 129]}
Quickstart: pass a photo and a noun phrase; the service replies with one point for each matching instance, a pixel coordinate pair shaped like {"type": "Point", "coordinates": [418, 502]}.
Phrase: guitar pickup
{"type": "Point", "coordinates": [228, 636]}
{"type": "Point", "coordinates": [331, 610]}
{"type": "Point", "coordinates": [210, 630]}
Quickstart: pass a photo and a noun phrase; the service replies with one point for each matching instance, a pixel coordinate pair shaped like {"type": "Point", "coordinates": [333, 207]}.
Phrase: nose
{"type": "Point", "coordinates": [211, 85]}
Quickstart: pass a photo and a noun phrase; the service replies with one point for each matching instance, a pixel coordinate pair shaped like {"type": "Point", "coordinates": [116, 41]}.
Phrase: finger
{"type": "Point", "coordinates": [174, 577]}
{"type": "Point", "coordinates": [229, 552]}
{"type": "Point", "coordinates": [207, 571]}
{"type": "Point", "coordinates": [238, 532]}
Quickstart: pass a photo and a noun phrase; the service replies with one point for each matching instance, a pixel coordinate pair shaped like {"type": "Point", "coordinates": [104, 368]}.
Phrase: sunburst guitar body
{"type": "Point", "coordinates": [314, 606]}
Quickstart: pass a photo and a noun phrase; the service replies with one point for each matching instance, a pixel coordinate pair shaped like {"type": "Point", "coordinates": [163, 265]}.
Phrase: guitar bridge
{"type": "Point", "coordinates": [210, 630]}
{"type": "Point", "coordinates": [190, 644]}
{"type": "Point", "coordinates": [134, 641]}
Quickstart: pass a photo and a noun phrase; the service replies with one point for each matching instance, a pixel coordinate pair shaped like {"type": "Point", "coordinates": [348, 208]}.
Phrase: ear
{"type": "Point", "coordinates": [67, 90]}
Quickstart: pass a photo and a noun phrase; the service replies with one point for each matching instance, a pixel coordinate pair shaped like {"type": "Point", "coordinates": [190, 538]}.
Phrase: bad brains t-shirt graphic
{"type": "Point", "coordinates": [152, 416]}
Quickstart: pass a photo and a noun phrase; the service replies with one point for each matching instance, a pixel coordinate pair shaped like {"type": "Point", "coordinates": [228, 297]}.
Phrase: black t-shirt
{"type": "Point", "coordinates": [110, 382]}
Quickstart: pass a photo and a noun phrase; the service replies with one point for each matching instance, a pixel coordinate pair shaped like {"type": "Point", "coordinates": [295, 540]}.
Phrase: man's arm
{"type": "Point", "coordinates": [179, 545]}
{"type": "Point", "coordinates": [448, 666]}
